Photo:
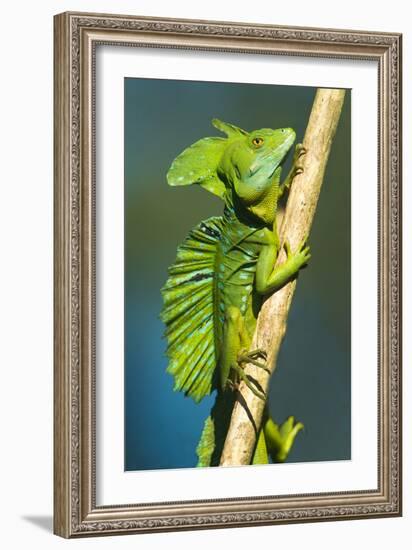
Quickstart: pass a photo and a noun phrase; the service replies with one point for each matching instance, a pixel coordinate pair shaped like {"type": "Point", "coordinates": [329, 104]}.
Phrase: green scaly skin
{"type": "Point", "coordinates": [222, 272]}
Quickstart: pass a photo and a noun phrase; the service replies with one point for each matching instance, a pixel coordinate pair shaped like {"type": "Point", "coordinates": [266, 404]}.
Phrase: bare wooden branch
{"type": "Point", "coordinates": [271, 323]}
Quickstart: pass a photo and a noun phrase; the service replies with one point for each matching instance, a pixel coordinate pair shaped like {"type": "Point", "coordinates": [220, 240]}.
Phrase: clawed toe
{"type": "Point", "coordinates": [257, 353]}
{"type": "Point", "coordinates": [301, 149]}
{"type": "Point", "coordinates": [252, 356]}
{"type": "Point", "coordinates": [234, 386]}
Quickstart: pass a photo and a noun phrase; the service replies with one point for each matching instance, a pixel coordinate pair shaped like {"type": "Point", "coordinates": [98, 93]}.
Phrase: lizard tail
{"type": "Point", "coordinates": [274, 441]}
{"type": "Point", "coordinates": [212, 440]}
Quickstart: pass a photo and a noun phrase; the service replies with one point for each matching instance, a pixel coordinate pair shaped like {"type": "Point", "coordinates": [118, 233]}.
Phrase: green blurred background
{"type": "Point", "coordinates": [312, 381]}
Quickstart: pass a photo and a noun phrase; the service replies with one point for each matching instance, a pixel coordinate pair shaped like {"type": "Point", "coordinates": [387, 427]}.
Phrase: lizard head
{"type": "Point", "coordinates": [243, 169]}
{"type": "Point", "coordinates": [251, 167]}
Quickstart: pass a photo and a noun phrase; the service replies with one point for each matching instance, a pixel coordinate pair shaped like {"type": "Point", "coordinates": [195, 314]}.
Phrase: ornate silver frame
{"type": "Point", "coordinates": [75, 39]}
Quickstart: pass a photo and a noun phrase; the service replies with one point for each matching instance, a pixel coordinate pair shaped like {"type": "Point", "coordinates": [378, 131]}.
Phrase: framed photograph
{"type": "Point", "coordinates": [227, 274]}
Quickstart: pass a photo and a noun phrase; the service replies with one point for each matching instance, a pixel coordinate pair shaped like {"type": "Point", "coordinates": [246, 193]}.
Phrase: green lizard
{"type": "Point", "coordinates": [223, 270]}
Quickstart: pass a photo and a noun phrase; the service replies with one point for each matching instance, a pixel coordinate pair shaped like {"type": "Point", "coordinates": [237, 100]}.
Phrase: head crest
{"type": "Point", "coordinates": [199, 162]}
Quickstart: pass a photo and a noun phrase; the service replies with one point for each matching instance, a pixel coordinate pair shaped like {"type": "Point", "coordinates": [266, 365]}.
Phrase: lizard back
{"type": "Point", "coordinates": [235, 267]}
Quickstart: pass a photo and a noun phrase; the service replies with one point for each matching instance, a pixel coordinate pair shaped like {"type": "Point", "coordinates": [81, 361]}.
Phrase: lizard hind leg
{"type": "Point", "coordinates": [275, 440]}
{"type": "Point", "coordinates": [250, 356]}
{"type": "Point", "coordinates": [235, 341]}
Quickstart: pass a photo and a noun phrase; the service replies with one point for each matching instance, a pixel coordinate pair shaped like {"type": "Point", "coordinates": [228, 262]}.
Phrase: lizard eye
{"type": "Point", "coordinates": [257, 141]}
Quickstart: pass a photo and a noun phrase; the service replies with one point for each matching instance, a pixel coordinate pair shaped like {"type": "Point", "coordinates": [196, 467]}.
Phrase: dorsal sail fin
{"type": "Point", "coordinates": [188, 311]}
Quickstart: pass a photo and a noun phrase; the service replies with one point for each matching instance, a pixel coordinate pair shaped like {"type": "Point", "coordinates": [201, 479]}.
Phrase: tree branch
{"type": "Point", "coordinates": [271, 323]}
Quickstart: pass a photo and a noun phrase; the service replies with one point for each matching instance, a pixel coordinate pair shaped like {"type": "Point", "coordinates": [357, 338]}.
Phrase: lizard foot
{"type": "Point", "coordinates": [300, 150]}
{"type": "Point", "coordinates": [249, 381]}
{"type": "Point", "coordinates": [302, 254]}
{"type": "Point", "coordinates": [246, 356]}
{"type": "Point", "coordinates": [280, 439]}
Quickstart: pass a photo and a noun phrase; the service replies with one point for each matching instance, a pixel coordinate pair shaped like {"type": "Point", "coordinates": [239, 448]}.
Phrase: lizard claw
{"type": "Point", "coordinates": [287, 248]}
{"type": "Point", "coordinates": [300, 150]}
{"type": "Point", "coordinates": [255, 353]}
{"type": "Point", "coordinates": [297, 167]}
{"type": "Point", "coordinates": [303, 242]}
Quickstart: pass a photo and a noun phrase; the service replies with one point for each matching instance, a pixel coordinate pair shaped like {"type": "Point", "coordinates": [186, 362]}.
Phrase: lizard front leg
{"type": "Point", "coordinates": [268, 278]}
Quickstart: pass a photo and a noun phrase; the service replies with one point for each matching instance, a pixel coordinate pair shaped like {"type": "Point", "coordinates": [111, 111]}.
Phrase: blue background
{"type": "Point", "coordinates": [312, 381]}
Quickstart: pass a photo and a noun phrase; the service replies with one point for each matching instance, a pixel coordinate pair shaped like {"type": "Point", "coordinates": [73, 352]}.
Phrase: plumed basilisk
{"type": "Point", "coordinates": [223, 269]}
